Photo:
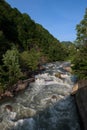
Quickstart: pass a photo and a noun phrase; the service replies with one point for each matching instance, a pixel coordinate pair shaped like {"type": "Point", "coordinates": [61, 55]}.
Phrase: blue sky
{"type": "Point", "coordinates": [59, 17]}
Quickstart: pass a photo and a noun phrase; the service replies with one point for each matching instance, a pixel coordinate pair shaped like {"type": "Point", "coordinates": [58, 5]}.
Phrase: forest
{"type": "Point", "coordinates": [25, 45]}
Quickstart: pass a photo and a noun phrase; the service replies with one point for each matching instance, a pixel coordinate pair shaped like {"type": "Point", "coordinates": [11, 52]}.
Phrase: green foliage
{"type": "Point", "coordinates": [3, 75]}
{"type": "Point", "coordinates": [11, 62]}
{"type": "Point", "coordinates": [57, 52]}
{"type": "Point", "coordinates": [30, 59]}
{"type": "Point", "coordinates": [1, 88]}
{"type": "Point", "coordinates": [21, 30]}
{"type": "Point", "coordinates": [80, 63]}
{"type": "Point", "coordinates": [70, 49]}
{"type": "Point", "coordinates": [82, 30]}
{"type": "Point", "coordinates": [80, 60]}
{"type": "Point", "coordinates": [4, 45]}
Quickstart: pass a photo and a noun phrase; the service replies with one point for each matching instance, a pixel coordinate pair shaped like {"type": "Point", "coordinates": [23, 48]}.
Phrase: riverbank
{"type": "Point", "coordinates": [21, 85]}
{"type": "Point", "coordinates": [16, 88]}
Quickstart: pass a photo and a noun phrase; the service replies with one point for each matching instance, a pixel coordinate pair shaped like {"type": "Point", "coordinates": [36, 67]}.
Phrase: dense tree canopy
{"type": "Point", "coordinates": [70, 49]}
{"type": "Point", "coordinates": [19, 29]}
{"type": "Point", "coordinates": [80, 60]}
{"type": "Point", "coordinates": [82, 30]}
{"type": "Point", "coordinates": [30, 59]}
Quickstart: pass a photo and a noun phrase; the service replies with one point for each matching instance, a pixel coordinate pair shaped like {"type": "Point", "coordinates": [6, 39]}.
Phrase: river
{"type": "Point", "coordinates": [45, 105]}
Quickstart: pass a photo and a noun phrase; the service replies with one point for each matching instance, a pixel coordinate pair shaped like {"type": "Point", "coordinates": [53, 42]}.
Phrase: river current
{"type": "Point", "coordinates": [45, 105]}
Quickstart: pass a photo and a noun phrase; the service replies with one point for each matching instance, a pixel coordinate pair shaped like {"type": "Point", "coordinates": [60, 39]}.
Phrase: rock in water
{"type": "Point", "coordinates": [81, 100]}
{"type": "Point", "coordinates": [24, 112]}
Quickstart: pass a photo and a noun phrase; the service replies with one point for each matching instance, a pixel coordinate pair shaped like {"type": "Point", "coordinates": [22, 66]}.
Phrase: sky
{"type": "Point", "coordinates": [59, 17]}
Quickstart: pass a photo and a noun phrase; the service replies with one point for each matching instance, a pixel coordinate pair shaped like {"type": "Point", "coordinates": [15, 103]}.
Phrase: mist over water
{"type": "Point", "coordinates": [45, 105]}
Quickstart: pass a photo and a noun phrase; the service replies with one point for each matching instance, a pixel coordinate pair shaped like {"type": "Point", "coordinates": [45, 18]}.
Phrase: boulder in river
{"type": "Point", "coordinates": [81, 100]}
{"type": "Point", "coordinates": [68, 69]}
{"type": "Point", "coordinates": [58, 75]}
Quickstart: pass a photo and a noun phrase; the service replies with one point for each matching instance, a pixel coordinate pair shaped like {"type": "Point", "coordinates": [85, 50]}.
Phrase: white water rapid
{"type": "Point", "coordinates": [45, 105]}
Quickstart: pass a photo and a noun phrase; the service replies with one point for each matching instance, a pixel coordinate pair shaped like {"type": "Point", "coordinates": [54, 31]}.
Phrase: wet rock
{"type": "Point", "coordinates": [58, 75]}
{"type": "Point", "coordinates": [61, 76]}
{"type": "Point", "coordinates": [24, 112]}
{"type": "Point", "coordinates": [11, 115]}
{"type": "Point", "coordinates": [81, 100]}
{"type": "Point", "coordinates": [21, 86]}
{"type": "Point", "coordinates": [74, 89]}
{"type": "Point", "coordinates": [7, 94]}
{"type": "Point", "coordinates": [68, 69]}
{"type": "Point", "coordinates": [18, 112]}
{"type": "Point", "coordinates": [8, 107]}
{"type": "Point", "coordinates": [6, 125]}
{"type": "Point", "coordinates": [29, 80]}
{"type": "Point", "coordinates": [41, 68]}
{"type": "Point", "coordinates": [54, 98]}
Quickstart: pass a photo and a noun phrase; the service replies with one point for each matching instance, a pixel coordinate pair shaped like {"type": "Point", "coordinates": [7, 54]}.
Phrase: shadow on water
{"type": "Point", "coordinates": [61, 115]}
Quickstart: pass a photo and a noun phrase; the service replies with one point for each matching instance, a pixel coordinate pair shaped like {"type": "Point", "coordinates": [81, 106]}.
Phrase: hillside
{"type": "Point", "coordinates": [24, 46]}
{"type": "Point", "coordinates": [20, 30]}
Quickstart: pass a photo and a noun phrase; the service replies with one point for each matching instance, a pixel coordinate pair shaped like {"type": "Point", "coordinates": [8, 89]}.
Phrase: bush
{"type": "Point", "coordinates": [11, 62]}
{"type": "Point", "coordinates": [80, 63]}
{"type": "Point", "coordinates": [30, 59]}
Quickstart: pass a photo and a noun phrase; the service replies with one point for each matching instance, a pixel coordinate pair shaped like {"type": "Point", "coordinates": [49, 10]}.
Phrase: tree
{"type": "Point", "coordinates": [3, 44]}
{"type": "Point", "coordinates": [82, 30]}
{"type": "Point", "coordinates": [80, 63]}
{"type": "Point", "coordinates": [70, 49]}
{"type": "Point", "coordinates": [30, 59]}
{"type": "Point", "coordinates": [11, 62]}
{"type": "Point", "coordinates": [57, 52]}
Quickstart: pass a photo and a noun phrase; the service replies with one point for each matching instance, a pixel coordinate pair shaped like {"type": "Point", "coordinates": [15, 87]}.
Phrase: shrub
{"type": "Point", "coordinates": [11, 62]}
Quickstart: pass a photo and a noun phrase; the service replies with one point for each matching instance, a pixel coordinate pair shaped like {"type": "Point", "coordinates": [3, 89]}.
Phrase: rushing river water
{"type": "Point", "coordinates": [45, 105]}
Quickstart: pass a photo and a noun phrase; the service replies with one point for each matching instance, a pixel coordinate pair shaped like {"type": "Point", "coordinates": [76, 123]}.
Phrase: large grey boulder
{"type": "Point", "coordinates": [81, 100]}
